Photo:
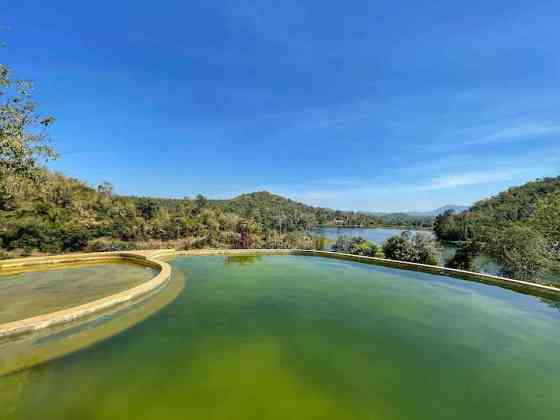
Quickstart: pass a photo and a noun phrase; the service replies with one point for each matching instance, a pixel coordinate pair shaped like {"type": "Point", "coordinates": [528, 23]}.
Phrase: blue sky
{"type": "Point", "coordinates": [359, 105]}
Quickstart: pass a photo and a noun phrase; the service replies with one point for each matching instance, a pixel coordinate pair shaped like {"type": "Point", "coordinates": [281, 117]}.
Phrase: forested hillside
{"type": "Point", "coordinates": [64, 214]}
{"type": "Point", "coordinates": [516, 205]}
{"type": "Point", "coordinates": [520, 226]}
{"type": "Point", "coordinates": [60, 214]}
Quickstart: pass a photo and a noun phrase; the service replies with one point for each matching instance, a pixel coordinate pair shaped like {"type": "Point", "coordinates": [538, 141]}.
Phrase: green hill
{"type": "Point", "coordinates": [520, 227]}
{"type": "Point", "coordinates": [276, 212]}
{"type": "Point", "coordinates": [517, 205]}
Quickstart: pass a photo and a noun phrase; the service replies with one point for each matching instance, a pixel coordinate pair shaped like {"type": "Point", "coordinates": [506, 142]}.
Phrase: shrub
{"type": "Point", "coordinates": [464, 256]}
{"type": "Point", "coordinates": [419, 248]}
{"type": "Point", "coordinates": [355, 245]}
{"type": "Point", "coordinates": [102, 245]}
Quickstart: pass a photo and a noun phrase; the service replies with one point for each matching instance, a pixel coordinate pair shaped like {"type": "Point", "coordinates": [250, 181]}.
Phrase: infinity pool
{"type": "Point", "coordinates": [294, 337]}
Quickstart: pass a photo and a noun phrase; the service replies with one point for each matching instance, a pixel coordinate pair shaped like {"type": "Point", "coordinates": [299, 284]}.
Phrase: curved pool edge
{"type": "Point", "coordinates": [504, 282]}
{"type": "Point", "coordinates": [145, 258]}
{"type": "Point", "coordinates": [518, 285]}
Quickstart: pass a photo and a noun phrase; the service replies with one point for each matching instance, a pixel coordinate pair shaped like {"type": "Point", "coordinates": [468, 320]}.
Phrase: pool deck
{"type": "Point", "coordinates": [155, 259]}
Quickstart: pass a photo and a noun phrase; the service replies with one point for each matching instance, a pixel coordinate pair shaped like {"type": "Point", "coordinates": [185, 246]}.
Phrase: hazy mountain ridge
{"type": "Point", "coordinates": [430, 213]}
{"type": "Point", "coordinates": [440, 210]}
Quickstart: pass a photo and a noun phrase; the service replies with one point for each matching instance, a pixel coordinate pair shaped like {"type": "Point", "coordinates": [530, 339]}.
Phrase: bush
{"type": "Point", "coordinates": [464, 256]}
{"type": "Point", "coordinates": [101, 245]}
{"type": "Point", "coordinates": [355, 245]}
{"type": "Point", "coordinates": [419, 248]}
{"type": "Point", "coordinates": [74, 239]}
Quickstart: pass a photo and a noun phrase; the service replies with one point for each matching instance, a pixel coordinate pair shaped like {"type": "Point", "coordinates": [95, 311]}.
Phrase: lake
{"type": "Point", "coordinates": [482, 264]}
{"type": "Point", "coordinates": [298, 337]}
{"type": "Point", "coordinates": [377, 235]}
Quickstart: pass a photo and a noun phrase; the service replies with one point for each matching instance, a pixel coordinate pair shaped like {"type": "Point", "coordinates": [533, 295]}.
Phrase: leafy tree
{"type": "Point", "coordinates": [448, 227]}
{"type": "Point", "coordinates": [23, 139]}
{"type": "Point", "coordinates": [546, 220]}
{"type": "Point", "coordinates": [147, 207]}
{"type": "Point", "coordinates": [247, 234]}
{"type": "Point", "coordinates": [419, 248]}
{"type": "Point", "coordinates": [20, 145]}
{"type": "Point", "coordinates": [465, 255]}
{"type": "Point", "coordinates": [521, 251]}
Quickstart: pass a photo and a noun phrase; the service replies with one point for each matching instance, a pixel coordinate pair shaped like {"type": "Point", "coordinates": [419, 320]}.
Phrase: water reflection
{"type": "Point", "coordinates": [241, 260]}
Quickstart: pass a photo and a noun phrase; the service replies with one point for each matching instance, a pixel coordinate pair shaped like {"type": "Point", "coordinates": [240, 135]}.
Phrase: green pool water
{"type": "Point", "coordinates": [294, 337]}
{"type": "Point", "coordinates": [28, 294]}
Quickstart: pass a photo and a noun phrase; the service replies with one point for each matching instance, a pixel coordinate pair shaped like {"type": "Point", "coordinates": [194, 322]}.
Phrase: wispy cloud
{"type": "Point", "coordinates": [337, 121]}
{"type": "Point", "coordinates": [467, 179]}
{"type": "Point", "coordinates": [348, 190]}
{"type": "Point", "coordinates": [519, 133]}
{"type": "Point", "coordinates": [454, 187]}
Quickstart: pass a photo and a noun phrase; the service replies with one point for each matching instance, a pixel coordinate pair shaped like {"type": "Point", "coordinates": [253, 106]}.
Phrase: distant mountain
{"type": "Point", "coordinates": [440, 210]}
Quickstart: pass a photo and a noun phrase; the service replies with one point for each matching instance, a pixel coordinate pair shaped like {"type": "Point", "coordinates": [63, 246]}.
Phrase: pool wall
{"type": "Point", "coordinates": [144, 258]}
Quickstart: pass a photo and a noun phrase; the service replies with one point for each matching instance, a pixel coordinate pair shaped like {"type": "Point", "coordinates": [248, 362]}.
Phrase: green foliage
{"type": "Point", "coordinates": [147, 208]}
{"type": "Point", "coordinates": [62, 214]}
{"type": "Point", "coordinates": [100, 245]}
{"type": "Point", "coordinates": [546, 220]}
{"type": "Point", "coordinates": [449, 226]}
{"type": "Point", "coordinates": [525, 219]}
{"type": "Point", "coordinates": [516, 205]}
{"type": "Point", "coordinates": [521, 251]}
{"type": "Point", "coordinates": [23, 140]}
{"type": "Point", "coordinates": [355, 245]}
{"type": "Point", "coordinates": [465, 255]}
{"type": "Point", "coordinates": [284, 215]}
{"type": "Point", "coordinates": [419, 248]}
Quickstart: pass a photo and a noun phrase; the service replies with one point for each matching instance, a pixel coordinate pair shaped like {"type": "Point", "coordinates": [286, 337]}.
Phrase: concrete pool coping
{"type": "Point", "coordinates": [143, 258]}
{"type": "Point", "coordinates": [153, 259]}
